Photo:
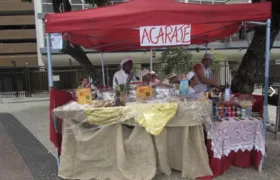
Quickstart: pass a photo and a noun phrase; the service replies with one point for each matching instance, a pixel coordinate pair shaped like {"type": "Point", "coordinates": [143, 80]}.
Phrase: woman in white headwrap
{"type": "Point", "coordinates": [120, 77]}
{"type": "Point", "coordinates": [193, 81]}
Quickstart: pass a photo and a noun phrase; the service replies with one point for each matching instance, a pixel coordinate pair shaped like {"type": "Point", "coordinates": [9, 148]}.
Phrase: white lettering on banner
{"type": "Point", "coordinates": [56, 41]}
{"type": "Point", "coordinates": [165, 35]}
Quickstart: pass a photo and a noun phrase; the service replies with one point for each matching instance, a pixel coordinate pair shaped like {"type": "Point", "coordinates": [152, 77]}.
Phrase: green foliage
{"type": "Point", "coordinates": [218, 57]}
{"type": "Point", "coordinates": [176, 59]}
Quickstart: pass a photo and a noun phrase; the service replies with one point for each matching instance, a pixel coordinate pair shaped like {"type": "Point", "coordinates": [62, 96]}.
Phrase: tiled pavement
{"type": "Point", "coordinates": [22, 156]}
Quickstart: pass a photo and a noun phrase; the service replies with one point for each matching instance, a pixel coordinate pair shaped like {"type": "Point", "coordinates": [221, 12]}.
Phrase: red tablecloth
{"type": "Point", "coordinates": [244, 159]}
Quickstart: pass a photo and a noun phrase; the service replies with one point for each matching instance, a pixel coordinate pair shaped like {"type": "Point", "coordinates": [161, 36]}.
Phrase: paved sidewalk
{"type": "Point", "coordinates": [22, 156]}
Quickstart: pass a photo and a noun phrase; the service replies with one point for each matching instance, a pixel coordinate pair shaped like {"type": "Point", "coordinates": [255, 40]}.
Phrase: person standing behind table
{"type": "Point", "coordinates": [204, 74]}
{"type": "Point", "coordinates": [120, 77]}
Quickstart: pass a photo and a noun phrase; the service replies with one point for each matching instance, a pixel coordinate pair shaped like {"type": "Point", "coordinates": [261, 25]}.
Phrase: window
{"type": "Point", "coordinates": [47, 8]}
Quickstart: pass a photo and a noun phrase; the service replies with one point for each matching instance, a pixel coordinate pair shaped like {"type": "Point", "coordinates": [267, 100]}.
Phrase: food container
{"type": "Point", "coordinates": [245, 104]}
{"type": "Point", "coordinates": [161, 92]}
{"type": "Point", "coordinates": [238, 112]}
{"type": "Point", "coordinates": [243, 113]}
{"type": "Point", "coordinates": [221, 112]}
{"type": "Point", "coordinates": [106, 95]}
{"type": "Point", "coordinates": [246, 101]}
{"type": "Point", "coordinates": [144, 92]}
{"type": "Point", "coordinates": [233, 112]}
{"type": "Point", "coordinates": [229, 112]}
{"type": "Point", "coordinates": [84, 95]}
{"type": "Point", "coordinates": [225, 112]}
{"type": "Point", "coordinates": [216, 114]}
{"type": "Point", "coordinates": [248, 112]}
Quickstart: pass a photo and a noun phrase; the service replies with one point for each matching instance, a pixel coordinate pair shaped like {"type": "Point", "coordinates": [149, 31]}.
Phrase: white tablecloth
{"type": "Point", "coordinates": [233, 135]}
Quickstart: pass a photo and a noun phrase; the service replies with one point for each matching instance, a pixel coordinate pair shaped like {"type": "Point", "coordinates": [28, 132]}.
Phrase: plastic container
{"type": "Point", "coordinates": [248, 112]}
{"type": "Point", "coordinates": [144, 92]}
{"type": "Point", "coordinates": [184, 87]}
{"type": "Point", "coordinates": [227, 94]}
{"type": "Point", "coordinates": [243, 113]}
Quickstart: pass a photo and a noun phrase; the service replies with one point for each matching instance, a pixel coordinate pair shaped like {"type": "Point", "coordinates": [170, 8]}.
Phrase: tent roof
{"type": "Point", "coordinates": [111, 27]}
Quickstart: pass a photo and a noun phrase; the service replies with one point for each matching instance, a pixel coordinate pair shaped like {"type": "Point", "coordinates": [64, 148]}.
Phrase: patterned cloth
{"type": "Point", "coordinates": [236, 135]}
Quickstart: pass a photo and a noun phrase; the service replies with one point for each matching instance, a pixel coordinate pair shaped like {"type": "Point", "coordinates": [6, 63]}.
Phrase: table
{"type": "Point", "coordinates": [120, 153]}
{"type": "Point", "coordinates": [240, 143]}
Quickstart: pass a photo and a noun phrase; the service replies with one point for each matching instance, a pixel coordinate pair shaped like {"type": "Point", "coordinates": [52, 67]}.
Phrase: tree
{"type": "Point", "coordinates": [176, 59]}
{"type": "Point", "coordinates": [75, 50]}
{"type": "Point", "coordinates": [252, 65]}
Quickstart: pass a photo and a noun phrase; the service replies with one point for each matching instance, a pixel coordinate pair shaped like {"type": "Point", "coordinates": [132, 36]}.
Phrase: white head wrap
{"type": "Point", "coordinates": [190, 75]}
{"type": "Point", "coordinates": [208, 56]}
{"type": "Point", "coordinates": [125, 60]}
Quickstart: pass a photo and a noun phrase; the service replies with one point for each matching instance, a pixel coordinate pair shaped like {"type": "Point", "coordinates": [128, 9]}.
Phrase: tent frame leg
{"type": "Point", "coordinates": [103, 71]}
{"type": "Point", "coordinates": [266, 80]}
{"type": "Point", "coordinates": [49, 57]}
{"type": "Point", "coordinates": [50, 79]}
{"type": "Point", "coordinates": [151, 60]}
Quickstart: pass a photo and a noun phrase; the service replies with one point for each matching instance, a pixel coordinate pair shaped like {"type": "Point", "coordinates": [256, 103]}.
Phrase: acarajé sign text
{"type": "Point", "coordinates": [165, 35]}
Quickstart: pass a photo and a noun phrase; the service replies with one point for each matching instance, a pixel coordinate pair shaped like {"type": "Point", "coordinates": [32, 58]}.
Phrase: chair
{"type": "Point", "coordinates": [57, 98]}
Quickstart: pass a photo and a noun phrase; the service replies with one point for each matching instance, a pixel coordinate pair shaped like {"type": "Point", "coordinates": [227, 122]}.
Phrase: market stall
{"type": "Point", "coordinates": [92, 153]}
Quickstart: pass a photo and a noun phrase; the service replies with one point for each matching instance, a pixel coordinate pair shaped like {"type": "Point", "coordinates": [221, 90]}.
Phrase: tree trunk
{"type": "Point", "coordinates": [252, 65]}
{"type": "Point", "coordinates": [251, 68]}
{"type": "Point", "coordinates": [74, 50]}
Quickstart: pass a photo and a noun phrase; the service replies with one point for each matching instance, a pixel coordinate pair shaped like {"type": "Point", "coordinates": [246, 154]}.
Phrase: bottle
{"type": "Point", "coordinates": [227, 94]}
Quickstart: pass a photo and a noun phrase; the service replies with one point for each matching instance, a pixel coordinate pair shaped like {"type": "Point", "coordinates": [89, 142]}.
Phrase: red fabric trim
{"type": "Point", "coordinates": [244, 159]}
{"type": "Point", "coordinates": [57, 98]}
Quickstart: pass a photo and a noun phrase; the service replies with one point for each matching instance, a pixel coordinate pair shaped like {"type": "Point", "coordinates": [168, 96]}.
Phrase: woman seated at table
{"type": "Point", "coordinates": [193, 80]}
{"type": "Point", "coordinates": [86, 84]}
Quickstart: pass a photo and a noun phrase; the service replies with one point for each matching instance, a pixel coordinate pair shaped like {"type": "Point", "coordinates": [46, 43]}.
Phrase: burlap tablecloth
{"type": "Point", "coordinates": [118, 153]}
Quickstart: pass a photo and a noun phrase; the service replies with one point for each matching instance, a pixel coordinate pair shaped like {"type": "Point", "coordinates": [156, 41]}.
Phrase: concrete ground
{"type": "Point", "coordinates": [32, 113]}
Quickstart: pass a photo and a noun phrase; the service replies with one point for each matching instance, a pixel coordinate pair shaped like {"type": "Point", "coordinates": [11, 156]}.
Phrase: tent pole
{"type": "Point", "coordinates": [151, 60]}
{"type": "Point", "coordinates": [267, 60]}
{"type": "Point", "coordinates": [103, 72]}
{"type": "Point", "coordinates": [49, 57]}
{"type": "Point", "coordinates": [50, 79]}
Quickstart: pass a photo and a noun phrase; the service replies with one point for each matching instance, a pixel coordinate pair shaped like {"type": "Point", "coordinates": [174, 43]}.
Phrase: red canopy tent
{"type": "Point", "coordinates": [116, 27]}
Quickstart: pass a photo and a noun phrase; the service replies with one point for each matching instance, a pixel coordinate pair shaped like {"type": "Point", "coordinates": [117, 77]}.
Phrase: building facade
{"type": "Point", "coordinates": [17, 34]}
{"type": "Point", "coordinates": [231, 47]}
